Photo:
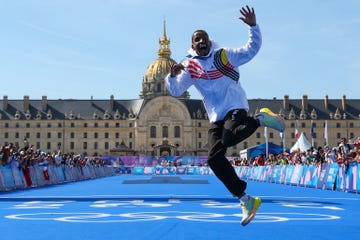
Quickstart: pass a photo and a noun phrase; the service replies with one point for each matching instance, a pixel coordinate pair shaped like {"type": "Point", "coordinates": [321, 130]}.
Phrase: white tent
{"type": "Point", "coordinates": [302, 143]}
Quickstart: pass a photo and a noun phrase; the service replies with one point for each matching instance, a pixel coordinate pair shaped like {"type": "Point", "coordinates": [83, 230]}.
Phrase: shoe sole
{"type": "Point", "coordinates": [257, 203]}
{"type": "Point", "coordinates": [269, 112]}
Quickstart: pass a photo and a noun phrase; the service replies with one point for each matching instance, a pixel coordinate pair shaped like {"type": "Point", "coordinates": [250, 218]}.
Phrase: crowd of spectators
{"type": "Point", "coordinates": [28, 156]}
{"type": "Point", "coordinates": [345, 153]}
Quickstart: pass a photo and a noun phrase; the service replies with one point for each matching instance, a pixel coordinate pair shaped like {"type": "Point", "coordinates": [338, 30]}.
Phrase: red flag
{"type": "Point", "coordinates": [296, 129]}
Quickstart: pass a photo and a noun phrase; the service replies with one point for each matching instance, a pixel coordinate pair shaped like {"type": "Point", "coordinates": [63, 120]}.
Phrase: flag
{"type": "Point", "coordinates": [282, 135]}
{"type": "Point", "coordinates": [312, 133]}
{"type": "Point", "coordinates": [326, 132]}
{"type": "Point", "coordinates": [296, 129]}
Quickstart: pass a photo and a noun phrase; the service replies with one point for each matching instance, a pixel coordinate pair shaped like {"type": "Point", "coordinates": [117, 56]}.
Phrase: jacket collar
{"type": "Point", "coordinates": [192, 53]}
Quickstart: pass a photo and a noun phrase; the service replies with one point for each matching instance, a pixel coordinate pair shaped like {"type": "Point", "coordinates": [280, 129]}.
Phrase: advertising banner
{"type": "Point", "coordinates": [297, 173]}
{"type": "Point", "coordinates": [276, 174]}
{"type": "Point", "coordinates": [289, 173]}
{"type": "Point", "coordinates": [7, 176]}
{"type": "Point", "coordinates": [340, 180]}
{"type": "Point", "coordinates": [331, 176]}
{"type": "Point", "coordinates": [351, 177]}
{"type": "Point", "coordinates": [139, 170]}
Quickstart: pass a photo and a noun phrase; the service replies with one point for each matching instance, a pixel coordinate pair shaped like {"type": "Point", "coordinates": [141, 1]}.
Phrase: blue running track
{"type": "Point", "coordinates": [174, 207]}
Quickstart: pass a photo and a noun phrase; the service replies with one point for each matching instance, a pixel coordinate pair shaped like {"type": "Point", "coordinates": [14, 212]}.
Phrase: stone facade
{"type": "Point", "coordinates": [158, 123]}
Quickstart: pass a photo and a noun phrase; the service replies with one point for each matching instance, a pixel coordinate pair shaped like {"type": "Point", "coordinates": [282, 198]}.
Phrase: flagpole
{"type": "Point", "coordinates": [312, 132]}
{"type": "Point", "coordinates": [266, 141]}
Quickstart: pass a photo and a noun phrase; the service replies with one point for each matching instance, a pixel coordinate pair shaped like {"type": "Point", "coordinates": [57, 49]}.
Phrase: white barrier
{"type": "Point", "coordinates": [12, 177]}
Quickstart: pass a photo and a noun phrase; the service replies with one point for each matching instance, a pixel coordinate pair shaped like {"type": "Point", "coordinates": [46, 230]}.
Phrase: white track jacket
{"type": "Point", "coordinates": [216, 76]}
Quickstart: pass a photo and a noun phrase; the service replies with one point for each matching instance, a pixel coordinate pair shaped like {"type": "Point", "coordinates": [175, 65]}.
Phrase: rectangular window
{"type": "Point", "coordinates": [152, 132]}
{"type": "Point", "coordinates": [177, 131]}
{"type": "Point", "coordinates": [165, 131]}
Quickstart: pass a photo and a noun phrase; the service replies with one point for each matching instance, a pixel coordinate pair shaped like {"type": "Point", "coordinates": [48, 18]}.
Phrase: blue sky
{"type": "Point", "coordinates": [82, 48]}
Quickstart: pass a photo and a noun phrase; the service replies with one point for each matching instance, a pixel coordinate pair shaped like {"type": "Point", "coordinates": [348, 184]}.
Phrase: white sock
{"type": "Point", "coordinates": [244, 198]}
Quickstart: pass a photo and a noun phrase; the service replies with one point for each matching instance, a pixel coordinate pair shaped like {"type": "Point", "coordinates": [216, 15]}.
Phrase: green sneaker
{"type": "Point", "coordinates": [249, 209]}
{"type": "Point", "coordinates": [269, 119]}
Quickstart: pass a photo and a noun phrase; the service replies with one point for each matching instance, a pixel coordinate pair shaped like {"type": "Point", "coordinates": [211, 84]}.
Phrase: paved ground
{"type": "Point", "coordinates": [174, 207]}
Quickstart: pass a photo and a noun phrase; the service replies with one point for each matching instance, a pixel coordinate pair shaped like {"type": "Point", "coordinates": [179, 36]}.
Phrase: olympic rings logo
{"type": "Point", "coordinates": [108, 216]}
{"type": "Point", "coordinates": [92, 217]}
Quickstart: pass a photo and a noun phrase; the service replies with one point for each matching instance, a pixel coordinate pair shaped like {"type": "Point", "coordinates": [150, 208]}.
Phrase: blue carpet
{"type": "Point", "coordinates": [171, 208]}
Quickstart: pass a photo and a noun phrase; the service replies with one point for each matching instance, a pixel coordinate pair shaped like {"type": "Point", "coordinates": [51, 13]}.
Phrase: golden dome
{"type": "Point", "coordinates": [153, 82]}
{"type": "Point", "coordinates": [158, 69]}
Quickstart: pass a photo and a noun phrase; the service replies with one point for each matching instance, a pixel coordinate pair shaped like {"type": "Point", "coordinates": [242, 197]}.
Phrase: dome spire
{"type": "Point", "coordinates": [153, 82]}
{"type": "Point", "coordinates": [164, 42]}
{"type": "Point", "coordinates": [164, 35]}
